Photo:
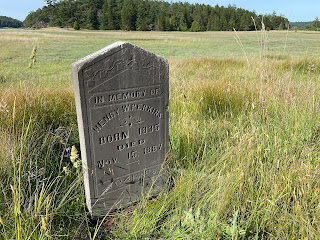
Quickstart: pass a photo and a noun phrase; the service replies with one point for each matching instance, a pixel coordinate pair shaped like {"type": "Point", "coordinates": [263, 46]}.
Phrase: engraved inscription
{"type": "Point", "coordinates": [152, 149]}
{"type": "Point", "coordinates": [111, 97]}
{"type": "Point", "coordinates": [132, 135]}
{"type": "Point", "coordinates": [155, 91]}
{"type": "Point", "coordinates": [114, 138]}
{"type": "Point", "coordinates": [127, 96]}
{"type": "Point", "coordinates": [99, 99]}
{"type": "Point", "coordinates": [149, 129]}
{"type": "Point", "coordinates": [108, 162]}
{"type": "Point", "coordinates": [142, 107]}
{"type": "Point", "coordinates": [125, 108]}
{"type": "Point", "coordinates": [132, 144]}
{"type": "Point", "coordinates": [105, 119]}
{"type": "Point", "coordinates": [133, 154]}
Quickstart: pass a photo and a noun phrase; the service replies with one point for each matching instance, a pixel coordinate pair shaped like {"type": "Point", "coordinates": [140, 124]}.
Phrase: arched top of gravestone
{"type": "Point", "coordinates": [108, 50]}
{"type": "Point", "coordinates": [106, 68]}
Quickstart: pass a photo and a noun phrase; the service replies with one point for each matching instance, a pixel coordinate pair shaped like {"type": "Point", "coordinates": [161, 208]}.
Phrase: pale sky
{"type": "Point", "coordinates": [294, 10]}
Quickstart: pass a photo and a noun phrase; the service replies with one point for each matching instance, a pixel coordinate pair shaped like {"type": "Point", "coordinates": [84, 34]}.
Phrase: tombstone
{"type": "Point", "coordinates": [121, 97]}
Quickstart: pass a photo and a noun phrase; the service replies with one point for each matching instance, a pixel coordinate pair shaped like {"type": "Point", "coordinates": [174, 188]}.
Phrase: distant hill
{"type": "Point", "coordinates": [300, 24]}
{"type": "Point", "coordinates": [9, 22]}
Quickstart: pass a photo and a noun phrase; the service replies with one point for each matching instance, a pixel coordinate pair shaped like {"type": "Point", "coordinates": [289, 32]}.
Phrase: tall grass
{"type": "Point", "coordinates": [37, 195]}
{"type": "Point", "coordinates": [249, 150]}
{"type": "Point", "coordinates": [244, 152]}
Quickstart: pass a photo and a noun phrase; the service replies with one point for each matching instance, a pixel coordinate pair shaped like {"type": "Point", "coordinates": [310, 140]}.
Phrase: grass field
{"type": "Point", "coordinates": [244, 131]}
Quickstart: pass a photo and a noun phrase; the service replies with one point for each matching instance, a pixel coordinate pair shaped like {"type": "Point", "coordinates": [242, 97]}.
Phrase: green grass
{"type": "Point", "coordinates": [58, 49]}
{"type": "Point", "coordinates": [244, 137]}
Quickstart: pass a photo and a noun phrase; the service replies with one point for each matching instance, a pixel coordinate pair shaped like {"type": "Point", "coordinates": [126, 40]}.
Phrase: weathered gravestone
{"type": "Point", "coordinates": [121, 97]}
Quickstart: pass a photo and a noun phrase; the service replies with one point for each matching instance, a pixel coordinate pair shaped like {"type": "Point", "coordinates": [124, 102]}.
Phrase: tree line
{"type": "Point", "coordinates": [311, 26]}
{"type": "Point", "coordinates": [9, 22]}
{"type": "Point", "coordinates": [149, 15]}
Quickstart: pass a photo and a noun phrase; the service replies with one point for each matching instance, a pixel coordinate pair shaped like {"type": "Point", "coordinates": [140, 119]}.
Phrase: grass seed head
{"type": "Point", "coordinates": [74, 154]}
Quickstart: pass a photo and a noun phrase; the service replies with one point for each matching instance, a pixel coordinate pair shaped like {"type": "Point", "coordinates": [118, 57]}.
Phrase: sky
{"type": "Point", "coordinates": [294, 10]}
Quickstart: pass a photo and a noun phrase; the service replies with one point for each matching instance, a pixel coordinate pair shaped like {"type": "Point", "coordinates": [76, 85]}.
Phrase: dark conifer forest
{"type": "Point", "coordinates": [149, 15]}
{"type": "Point", "coordinates": [9, 22]}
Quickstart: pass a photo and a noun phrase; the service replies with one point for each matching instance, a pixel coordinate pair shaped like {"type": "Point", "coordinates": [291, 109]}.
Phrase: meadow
{"type": "Point", "coordinates": [244, 137]}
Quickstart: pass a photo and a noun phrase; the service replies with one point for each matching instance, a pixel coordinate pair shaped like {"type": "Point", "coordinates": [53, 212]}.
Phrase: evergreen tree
{"type": "Point", "coordinates": [201, 14]}
{"type": "Point", "coordinates": [195, 26]}
{"type": "Point", "coordinates": [127, 15]}
{"type": "Point", "coordinates": [173, 23]}
{"type": "Point", "coordinates": [76, 26]}
{"type": "Point", "coordinates": [152, 15]}
{"type": "Point", "coordinates": [181, 24]}
{"type": "Point", "coordinates": [103, 20]}
{"type": "Point", "coordinates": [167, 24]}
{"type": "Point", "coordinates": [111, 15]}
{"type": "Point", "coordinates": [187, 15]}
{"type": "Point", "coordinates": [232, 18]}
{"type": "Point", "coordinates": [214, 21]}
{"type": "Point", "coordinates": [64, 14]}
{"type": "Point", "coordinates": [92, 20]}
{"type": "Point", "coordinates": [108, 16]}
{"type": "Point", "coordinates": [161, 24]}
{"type": "Point", "coordinates": [142, 16]}
{"type": "Point", "coordinates": [245, 22]}
{"type": "Point", "coordinates": [278, 23]}
{"type": "Point", "coordinates": [176, 16]}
